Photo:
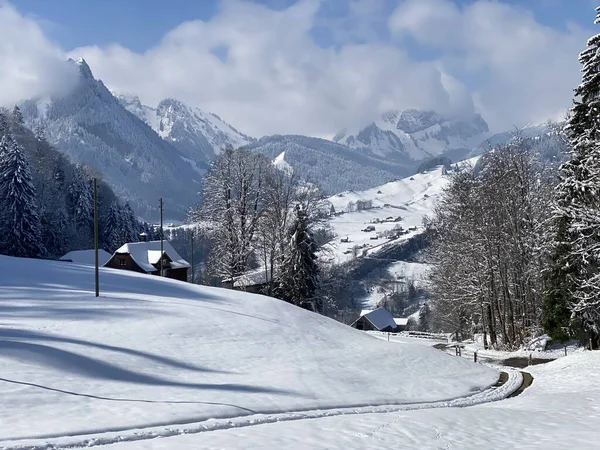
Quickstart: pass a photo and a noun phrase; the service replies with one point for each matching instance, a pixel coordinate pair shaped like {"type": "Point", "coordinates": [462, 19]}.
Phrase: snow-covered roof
{"type": "Point", "coordinates": [86, 257]}
{"type": "Point", "coordinates": [145, 254]}
{"type": "Point", "coordinates": [381, 318]}
{"type": "Point", "coordinates": [401, 321]}
{"type": "Point", "coordinates": [251, 278]}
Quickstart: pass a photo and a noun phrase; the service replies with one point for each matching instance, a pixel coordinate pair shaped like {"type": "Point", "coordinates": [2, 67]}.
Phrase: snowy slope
{"type": "Point", "coordinates": [410, 199]}
{"type": "Point", "coordinates": [200, 136]}
{"type": "Point", "coordinates": [559, 411]}
{"type": "Point", "coordinates": [153, 351]}
{"type": "Point", "coordinates": [417, 135]}
{"type": "Point", "coordinates": [282, 164]}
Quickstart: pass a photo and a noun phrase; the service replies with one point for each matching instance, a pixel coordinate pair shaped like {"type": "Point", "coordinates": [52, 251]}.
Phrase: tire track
{"type": "Point", "coordinates": [507, 385]}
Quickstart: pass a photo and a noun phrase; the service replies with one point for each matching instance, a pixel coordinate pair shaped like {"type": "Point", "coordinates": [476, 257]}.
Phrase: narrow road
{"type": "Point", "coordinates": [527, 381]}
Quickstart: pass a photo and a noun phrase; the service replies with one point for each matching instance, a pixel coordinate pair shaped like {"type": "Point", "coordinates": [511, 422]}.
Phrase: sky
{"type": "Point", "coordinates": [307, 66]}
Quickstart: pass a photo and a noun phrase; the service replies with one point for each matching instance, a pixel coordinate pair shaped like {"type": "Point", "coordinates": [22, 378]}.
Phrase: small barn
{"type": "Point", "coordinates": [401, 323]}
{"type": "Point", "coordinates": [86, 257]}
{"type": "Point", "coordinates": [379, 319]}
{"type": "Point", "coordinates": [145, 257]}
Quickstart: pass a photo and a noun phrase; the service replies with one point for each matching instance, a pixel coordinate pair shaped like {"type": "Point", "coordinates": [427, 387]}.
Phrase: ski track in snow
{"type": "Point", "coordinates": [492, 394]}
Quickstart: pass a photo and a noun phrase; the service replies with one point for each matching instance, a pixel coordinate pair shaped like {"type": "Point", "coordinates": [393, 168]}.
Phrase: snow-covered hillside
{"type": "Point", "coordinates": [152, 352]}
{"type": "Point", "coordinates": [200, 136]}
{"type": "Point", "coordinates": [402, 203]}
{"type": "Point", "coordinates": [333, 166]}
{"type": "Point", "coordinates": [417, 135]}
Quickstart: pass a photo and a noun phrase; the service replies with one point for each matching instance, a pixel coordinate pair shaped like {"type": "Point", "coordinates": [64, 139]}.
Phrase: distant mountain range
{"type": "Point", "coordinates": [198, 135]}
{"type": "Point", "coordinates": [147, 152]}
{"type": "Point", "coordinates": [417, 135]}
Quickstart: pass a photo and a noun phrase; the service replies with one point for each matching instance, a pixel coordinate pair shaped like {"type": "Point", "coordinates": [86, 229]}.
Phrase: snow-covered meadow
{"type": "Point", "coordinates": [152, 352]}
{"type": "Point", "coordinates": [560, 410]}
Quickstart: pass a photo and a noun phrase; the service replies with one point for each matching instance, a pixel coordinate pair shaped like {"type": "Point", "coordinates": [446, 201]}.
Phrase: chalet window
{"type": "Point", "coordinates": [165, 262]}
{"type": "Point", "coordinates": [122, 262]}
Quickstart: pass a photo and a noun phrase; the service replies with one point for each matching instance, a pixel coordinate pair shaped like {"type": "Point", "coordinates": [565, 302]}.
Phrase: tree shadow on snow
{"type": "Point", "coordinates": [75, 364]}
{"type": "Point", "coordinates": [13, 334]}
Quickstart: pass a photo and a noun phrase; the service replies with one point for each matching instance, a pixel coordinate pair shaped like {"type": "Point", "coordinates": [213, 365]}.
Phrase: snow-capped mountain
{"type": "Point", "coordinates": [417, 135]}
{"type": "Point", "coordinates": [200, 136]}
{"type": "Point", "coordinates": [92, 127]}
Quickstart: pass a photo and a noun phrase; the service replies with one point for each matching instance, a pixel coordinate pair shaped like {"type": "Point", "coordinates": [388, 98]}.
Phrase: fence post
{"type": "Point", "coordinates": [388, 336]}
{"type": "Point", "coordinates": [475, 356]}
{"type": "Point", "coordinates": [565, 349]}
{"type": "Point", "coordinates": [530, 360]}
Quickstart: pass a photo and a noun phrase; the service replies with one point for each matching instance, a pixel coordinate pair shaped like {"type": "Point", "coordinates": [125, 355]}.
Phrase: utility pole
{"type": "Point", "coordinates": [193, 232]}
{"type": "Point", "coordinates": [161, 238]}
{"type": "Point", "coordinates": [97, 272]}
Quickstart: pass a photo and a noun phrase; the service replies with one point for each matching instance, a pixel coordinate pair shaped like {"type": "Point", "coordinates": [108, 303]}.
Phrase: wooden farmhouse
{"type": "Point", "coordinates": [145, 257]}
{"type": "Point", "coordinates": [379, 319]}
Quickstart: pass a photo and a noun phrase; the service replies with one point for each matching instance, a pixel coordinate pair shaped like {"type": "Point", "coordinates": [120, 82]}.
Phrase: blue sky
{"type": "Point", "coordinates": [139, 24]}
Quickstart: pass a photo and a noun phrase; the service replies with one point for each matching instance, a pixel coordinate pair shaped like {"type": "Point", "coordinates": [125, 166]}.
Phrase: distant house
{"type": "Point", "coordinates": [86, 257]}
{"type": "Point", "coordinates": [254, 281]}
{"type": "Point", "coordinates": [379, 319]}
{"type": "Point", "coordinates": [145, 257]}
{"type": "Point", "coordinates": [401, 323]}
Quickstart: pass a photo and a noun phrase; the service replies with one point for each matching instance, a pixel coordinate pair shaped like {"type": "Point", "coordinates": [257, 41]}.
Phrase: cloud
{"type": "Point", "coordinates": [525, 71]}
{"type": "Point", "coordinates": [266, 71]}
{"type": "Point", "coordinates": [262, 71]}
{"type": "Point", "coordinates": [30, 65]}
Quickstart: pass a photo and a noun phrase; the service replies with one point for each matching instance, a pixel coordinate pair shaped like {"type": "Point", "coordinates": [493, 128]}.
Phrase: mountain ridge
{"type": "Point", "coordinates": [199, 136]}
{"type": "Point", "coordinates": [92, 127]}
{"type": "Point", "coordinates": [417, 135]}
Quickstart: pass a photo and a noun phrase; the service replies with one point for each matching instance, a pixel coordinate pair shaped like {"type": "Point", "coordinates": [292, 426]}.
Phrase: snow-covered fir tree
{"type": "Point", "coordinates": [130, 227]}
{"type": "Point", "coordinates": [3, 125]}
{"type": "Point", "coordinates": [19, 220]}
{"type": "Point", "coordinates": [81, 200]}
{"type": "Point", "coordinates": [298, 280]}
{"type": "Point", "coordinates": [17, 115]}
{"type": "Point", "coordinates": [112, 237]}
{"type": "Point", "coordinates": [577, 253]}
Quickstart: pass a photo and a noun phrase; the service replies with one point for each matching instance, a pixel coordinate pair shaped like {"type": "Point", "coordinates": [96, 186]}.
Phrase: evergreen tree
{"type": "Point", "coordinates": [130, 227]}
{"type": "Point", "coordinates": [556, 313]}
{"type": "Point", "coordinates": [5, 144]}
{"type": "Point", "coordinates": [111, 231]}
{"type": "Point", "coordinates": [577, 242]}
{"type": "Point", "coordinates": [81, 199]}
{"type": "Point", "coordinates": [54, 226]}
{"type": "Point", "coordinates": [3, 126]}
{"type": "Point", "coordinates": [298, 281]}
{"type": "Point", "coordinates": [19, 220]}
{"type": "Point", "coordinates": [17, 115]}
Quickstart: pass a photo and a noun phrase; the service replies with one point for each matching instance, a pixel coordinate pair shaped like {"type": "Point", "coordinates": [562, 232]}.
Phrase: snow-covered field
{"type": "Point", "coordinates": [152, 352]}
{"type": "Point", "coordinates": [559, 411]}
